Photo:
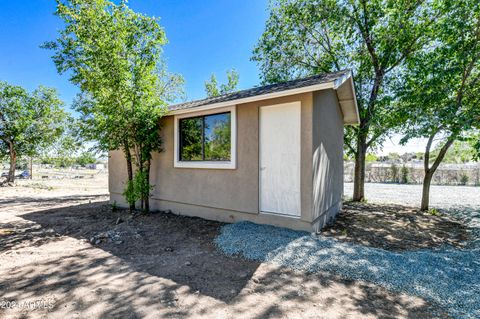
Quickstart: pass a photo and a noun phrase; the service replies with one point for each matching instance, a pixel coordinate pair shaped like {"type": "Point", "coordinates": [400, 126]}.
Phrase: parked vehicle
{"type": "Point", "coordinates": [23, 175]}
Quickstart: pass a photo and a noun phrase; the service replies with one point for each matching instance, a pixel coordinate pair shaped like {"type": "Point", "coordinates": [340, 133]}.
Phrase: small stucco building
{"type": "Point", "coordinates": [270, 154]}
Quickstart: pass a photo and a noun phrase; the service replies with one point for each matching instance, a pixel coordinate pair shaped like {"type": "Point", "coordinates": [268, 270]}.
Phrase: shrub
{"type": "Point", "coordinates": [130, 193]}
{"type": "Point", "coordinates": [394, 173]}
{"type": "Point", "coordinates": [463, 178]}
{"type": "Point", "coordinates": [138, 188]}
{"type": "Point", "coordinates": [86, 158]}
{"type": "Point", "coordinates": [405, 172]}
{"type": "Point", "coordinates": [371, 157]}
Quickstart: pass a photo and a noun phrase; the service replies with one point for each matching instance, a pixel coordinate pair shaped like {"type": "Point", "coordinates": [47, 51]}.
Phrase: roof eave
{"type": "Point", "coordinates": [316, 87]}
{"type": "Point", "coordinates": [342, 85]}
{"type": "Point", "coordinates": [347, 99]}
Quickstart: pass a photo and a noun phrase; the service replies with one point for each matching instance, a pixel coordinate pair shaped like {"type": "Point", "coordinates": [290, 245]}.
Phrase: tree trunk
{"type": "Point", "coordinates": [141, 170]}
{"type": "Point", "coordinates": [427, 180]}
{"type": "Point", "coordinates": [363, 130]}
{"type": "Point", "coordinates": [359, 178]}
{"type": "Point", "coordinates": [13, 163]}
{"type": "Point", "coordinates": [429, 171]}
{"type": "Point", "coordinates": [147, 177]}
{"type": "Point", "coordinates": [128, 157]}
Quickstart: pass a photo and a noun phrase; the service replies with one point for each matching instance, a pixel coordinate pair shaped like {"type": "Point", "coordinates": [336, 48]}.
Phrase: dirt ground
{"type": "Point", "coordinates": [396, 227]}
{"type": "Point", "coordinates": [63, 247]}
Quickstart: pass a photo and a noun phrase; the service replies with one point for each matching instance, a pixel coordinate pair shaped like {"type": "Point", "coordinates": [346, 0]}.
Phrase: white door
{"type": "Point", "coordinates": [280, 159]}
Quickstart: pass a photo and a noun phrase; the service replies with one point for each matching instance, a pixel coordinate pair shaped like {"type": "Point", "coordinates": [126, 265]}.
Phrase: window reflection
{"type": "Point", "coordinates": [206, 138]}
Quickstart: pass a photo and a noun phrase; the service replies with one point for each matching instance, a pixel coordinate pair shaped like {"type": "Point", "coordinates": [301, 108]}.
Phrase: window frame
{"type": "Point", "coordinates": [231, 164]}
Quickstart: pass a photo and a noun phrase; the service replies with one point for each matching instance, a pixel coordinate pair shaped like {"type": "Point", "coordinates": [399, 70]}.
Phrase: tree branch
{"type": "Point", "coordinates": [442, 153]}
{"type": "Point", "coordinates": [350, 147]}
{"type": "Point", "coordinates": [375, 137]}
{"type": "Point", "coordinates": [364, 30]}
{"type": "Point", "coordinates": [411, 46]}
{"type": "Point", "coordinates": [426, 159]}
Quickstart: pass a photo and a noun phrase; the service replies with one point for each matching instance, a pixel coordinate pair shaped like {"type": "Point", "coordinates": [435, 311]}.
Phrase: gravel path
{"type": "Point", "coordinates": [449, 277]}
{"type": "Point", "coordinates": [446, 197]}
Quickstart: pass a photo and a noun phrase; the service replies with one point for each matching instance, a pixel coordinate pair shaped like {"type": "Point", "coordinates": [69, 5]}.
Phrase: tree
{"type": "Point", "coordinates": [373, 38]}
{"type": "Point", "coordinates": [62, 152]}
{"type": "Point", "coordinates": [86, 158]}
{"type": "Point", "coordinates": [114, 55]}
{"type": "Point", "coordinates": [475, 143]}
{"type": "Point", "coordinates": [217, 144]}
{"type": "Point", "coordinates": [419, 155]}
{"type": "Point", "coordinates": [393, 156]}
{"type": "Point", "coordinates": [460, 152]}
{"type": "Point", "coordinates": [404, 174]}
{"type": "Point", "coordinates": [29, 122]}
{"type": "Point", "coordinates": [441, 93]}
{"type": "Point", "coordinates": [371, 157]}
{"type": "Point", "coordinates": [212, 89]}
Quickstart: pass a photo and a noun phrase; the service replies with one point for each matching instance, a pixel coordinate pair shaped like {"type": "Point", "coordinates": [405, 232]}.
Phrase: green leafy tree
{"type": "Point", "coordinates": [475, 143]}
{"type": "Point", "coordinates": [192, 139]}
{"type": "Point", "coordinates": [405, 173]}
{"type": "Point", "coordinates": [394, 173]}
{"type": "Point", "coordinates": [393, 156]}
{"type": "Point", "coordinates": [371, 157]}
{"type": "Point", "coordinates": [373, 38]}
{"type": "Point", "coordinates": [441, 94]}
{"type": "Point", "coordinates": [460, 152]}
{"type": "Point", "coordinates": [86, 158]}
{"type": "Point", "coordinates": [114, 55]}
{"type": "Point", "coordinates": [419, 155]}
{"type": "Point", "coordinates": [217, 146]}
{"type": "Point", "coordinates": [62, 153]}
{"type": "Point", "coordinates": [29, 122]}
{"type": "Point", "coordinates": [463, 178]}
{"type": "Point", "coordinates": [212, 89]}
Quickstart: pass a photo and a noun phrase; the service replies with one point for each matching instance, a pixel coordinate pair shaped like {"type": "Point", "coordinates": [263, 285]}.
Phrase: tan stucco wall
{"type": "Point", "coordinates": [233, 195]}
{"type": "Point", "coordinates": [231, 189]}
{"type": "Point", "coordinates": [327, 156]}
{"type": "Point", "coordinates": [221, 214]}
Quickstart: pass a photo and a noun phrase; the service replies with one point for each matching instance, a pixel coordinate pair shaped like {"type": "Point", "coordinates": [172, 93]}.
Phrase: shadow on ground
{"type": "Point", "coordinates": [55, 200]}
{"type": "Point", "coordinates": [165, 245]}
{"type": "Point", "coordinates": [163, 265]}
{"type": "Point", "coordinates": [396, 227]}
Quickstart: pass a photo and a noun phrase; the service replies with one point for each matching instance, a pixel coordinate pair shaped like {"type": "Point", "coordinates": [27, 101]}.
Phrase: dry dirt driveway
{"type": "Point", "coordinates": [64, 250]}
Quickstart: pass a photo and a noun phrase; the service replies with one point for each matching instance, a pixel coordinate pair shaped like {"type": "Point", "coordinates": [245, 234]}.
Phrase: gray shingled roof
{"type": "Point", "coordinates": [272, 88]}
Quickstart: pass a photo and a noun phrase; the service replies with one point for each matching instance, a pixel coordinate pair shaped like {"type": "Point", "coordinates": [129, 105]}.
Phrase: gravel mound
{"type": "Point", "coordinates": [447, 276]}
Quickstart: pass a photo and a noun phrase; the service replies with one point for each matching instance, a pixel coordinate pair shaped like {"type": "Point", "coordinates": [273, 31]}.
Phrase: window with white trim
{"type": "Point", "coordinates": [205, 140]}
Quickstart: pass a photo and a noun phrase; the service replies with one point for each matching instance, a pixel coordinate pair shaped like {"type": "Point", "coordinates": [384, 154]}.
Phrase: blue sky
{"type": "Point", "coordinates": [205, 37]}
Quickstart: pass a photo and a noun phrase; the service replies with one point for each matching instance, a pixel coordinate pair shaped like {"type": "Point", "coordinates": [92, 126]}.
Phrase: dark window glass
{"type": "Point", "coordinates": [205, 138]}
{"type": "Point", "coordinates": [217, 137]}
{"type": "Point", "coordinates": [191, 139]}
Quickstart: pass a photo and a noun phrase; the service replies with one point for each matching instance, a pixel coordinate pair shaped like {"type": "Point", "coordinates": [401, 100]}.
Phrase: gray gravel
{"type": "Point", "coordinates": [450, 277]}
{"type": "Point", "coordinates": [446, 197]}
